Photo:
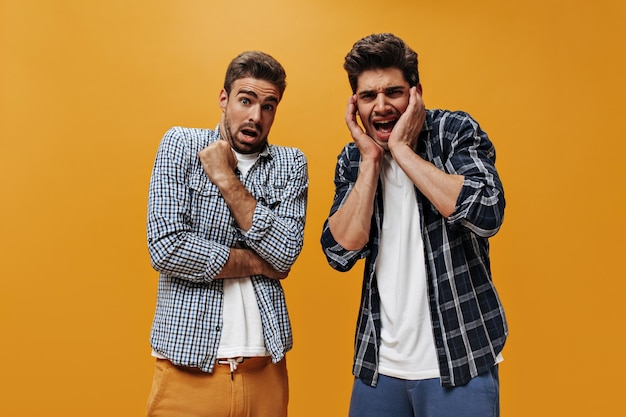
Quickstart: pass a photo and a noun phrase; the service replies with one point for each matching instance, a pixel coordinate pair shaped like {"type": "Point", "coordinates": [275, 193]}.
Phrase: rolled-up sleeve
{"type": "Point", "coordinates": [277, 232]}
{"type": "Point", "coordinates": [480, 205]}
{"type": "Point", "coordinates": [346, 172]}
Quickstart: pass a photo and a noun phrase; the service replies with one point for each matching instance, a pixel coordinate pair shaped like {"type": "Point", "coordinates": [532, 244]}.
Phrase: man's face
{"type": "Point", "coordinates": [382, 96]}
{"type": "Point", "coordinates": [248, 113]}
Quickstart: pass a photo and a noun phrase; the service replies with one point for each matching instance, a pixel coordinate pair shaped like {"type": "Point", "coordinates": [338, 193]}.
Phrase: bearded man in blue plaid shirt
{"type": "Point", "coordinates": [226, 216]}
{"type": "Point", "coordinates": [417, 195]}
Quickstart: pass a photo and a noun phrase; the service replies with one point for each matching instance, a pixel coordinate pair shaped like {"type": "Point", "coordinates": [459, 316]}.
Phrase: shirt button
{"type": "Point", "coordinates": [218, 328]}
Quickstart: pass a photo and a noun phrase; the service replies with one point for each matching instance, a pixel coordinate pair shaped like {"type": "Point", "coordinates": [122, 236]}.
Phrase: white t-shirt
{"type": "Point", "coordinates": [407, 349]}
{"type": "Point", "coordinates": [242, 330]}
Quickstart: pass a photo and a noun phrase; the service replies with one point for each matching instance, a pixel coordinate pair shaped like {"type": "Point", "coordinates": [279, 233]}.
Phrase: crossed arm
{"type": "Point", "coordinates": [273, 240]}
{"type": "Point", "coordinates": [219, 162]}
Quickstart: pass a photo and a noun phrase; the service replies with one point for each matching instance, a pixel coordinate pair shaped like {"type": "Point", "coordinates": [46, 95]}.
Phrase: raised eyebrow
{"type": "Point", "coordinates": [271, 99]}
{"type": "Point", "coordinates": [248, 92]}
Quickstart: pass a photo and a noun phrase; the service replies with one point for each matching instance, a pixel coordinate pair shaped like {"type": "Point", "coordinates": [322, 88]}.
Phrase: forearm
{"type": "Point", "coordinates": [350, 224]}
{"type": "Point", "coordinates": [244, 263]}
{"type": "Point", "coordinates": [238, 199]}
{"type": "Point", "coordinates": [440, 188]}
{"type": "Point", "coordinates": [275, 239]}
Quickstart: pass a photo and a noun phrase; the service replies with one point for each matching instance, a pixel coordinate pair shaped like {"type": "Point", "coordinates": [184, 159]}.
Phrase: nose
{"type": "Point", "coordinates": [380, 102]}
{"type": "Point", "coordinates": [255, 114]}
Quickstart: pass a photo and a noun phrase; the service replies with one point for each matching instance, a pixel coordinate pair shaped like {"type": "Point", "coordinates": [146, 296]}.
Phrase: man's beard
{"type": "Point", "coordinates": [230, 136]}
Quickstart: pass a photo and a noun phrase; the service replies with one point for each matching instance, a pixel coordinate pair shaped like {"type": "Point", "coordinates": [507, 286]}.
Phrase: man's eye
{"type": "Point", "coordinates": [245, 101]}
{"type": "Point", "coordinates": [268, 107]}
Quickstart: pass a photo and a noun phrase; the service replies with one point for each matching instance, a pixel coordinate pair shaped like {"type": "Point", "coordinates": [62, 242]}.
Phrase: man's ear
{"type": "Point", "coordinates": [223, 99]}
{"type": "Point", "coordinates": [419, 89]}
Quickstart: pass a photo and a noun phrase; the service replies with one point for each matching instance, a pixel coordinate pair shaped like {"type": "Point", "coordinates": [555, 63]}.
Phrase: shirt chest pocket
{"type": "Point", "coordinates": [200, 186]}
{"type": "Point", "coordinates": [206, 206]}
{"type": "Point", "coordinates": [268, 196]}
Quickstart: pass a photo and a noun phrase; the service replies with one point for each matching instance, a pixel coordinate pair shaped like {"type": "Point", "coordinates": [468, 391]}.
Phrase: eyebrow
{"type": "Point", "coordinates": [272, 99]}
{"type": "Point", "coordinates": [387, 90]}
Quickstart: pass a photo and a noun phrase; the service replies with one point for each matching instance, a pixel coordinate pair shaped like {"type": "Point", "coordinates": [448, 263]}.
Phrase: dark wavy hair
{"type": "Point", "coordinates": [255, 64]}
{"type": "Point", "coordinates": [379, 51]}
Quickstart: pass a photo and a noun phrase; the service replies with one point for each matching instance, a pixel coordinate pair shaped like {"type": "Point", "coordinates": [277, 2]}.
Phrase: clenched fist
{"type": "Point", "coordinates": [218, 161]}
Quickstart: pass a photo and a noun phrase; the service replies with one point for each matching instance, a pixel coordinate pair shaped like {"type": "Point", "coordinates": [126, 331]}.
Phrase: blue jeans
{"type": "Point", "coordinates": [395, 397]}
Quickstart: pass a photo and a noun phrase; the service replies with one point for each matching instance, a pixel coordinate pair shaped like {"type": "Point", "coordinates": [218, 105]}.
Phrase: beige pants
{"type": "Point", "coordinates": [258, 388]}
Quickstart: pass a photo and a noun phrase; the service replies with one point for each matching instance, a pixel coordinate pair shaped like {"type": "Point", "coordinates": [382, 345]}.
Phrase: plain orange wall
{"type": "Point", "coordinates": [89, 87]}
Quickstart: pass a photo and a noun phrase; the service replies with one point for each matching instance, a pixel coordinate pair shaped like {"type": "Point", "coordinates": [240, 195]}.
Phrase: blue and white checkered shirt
{"type": "Point", "coordinates": [191, 231]}
{"type": "Point", "coordinates": [469, 325]}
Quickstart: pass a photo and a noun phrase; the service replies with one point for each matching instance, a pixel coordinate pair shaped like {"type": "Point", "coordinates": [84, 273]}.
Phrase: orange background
{"type": "Point", "coordinates": [89, 87]}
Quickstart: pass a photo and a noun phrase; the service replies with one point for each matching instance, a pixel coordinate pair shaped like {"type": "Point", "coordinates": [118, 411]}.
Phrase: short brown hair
{"type": "Point", "coordinates": [379, 51]}
{"type": "Point", "coordinates": [255, 64]}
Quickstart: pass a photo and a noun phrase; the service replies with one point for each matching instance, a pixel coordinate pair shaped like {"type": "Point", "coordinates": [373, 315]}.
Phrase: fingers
{"type": "Point", "coordinates": [220, 149]}
{"type": "Point", "coordinates": [351, 120]}
{"type": "Point", "coordinates": [217, 159]}
{"type": "Point", "coordinates": [351, 111]}
{"type": "Point", "coordinates": [416, 108]}
{"type": "Point", "coordinates": [411, 122]}
{"type": "Point", "coordinates": [415, 100]}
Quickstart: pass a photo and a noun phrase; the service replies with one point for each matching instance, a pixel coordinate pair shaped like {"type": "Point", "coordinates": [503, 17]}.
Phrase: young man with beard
{"type": "Point", "coordinates": [226, 216]}
{"type": "Point", "coordinates": [417, 195]}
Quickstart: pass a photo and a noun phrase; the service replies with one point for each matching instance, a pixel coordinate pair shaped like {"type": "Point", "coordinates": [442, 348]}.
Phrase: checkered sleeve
{"type": "Point", "coordinates": [480, 205]}
{"type": "Point", "coordinates": [174, 249]}
{"type": "Point", "coordinates": [346, 172]}
{"type": "Point", "coordinates": [277, 231]}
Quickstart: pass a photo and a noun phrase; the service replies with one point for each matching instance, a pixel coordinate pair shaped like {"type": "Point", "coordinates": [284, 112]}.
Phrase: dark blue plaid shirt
{"type": "Point", "coordinates": [469, 325]}
{"type": "Point", "coordinates": [191, 231]}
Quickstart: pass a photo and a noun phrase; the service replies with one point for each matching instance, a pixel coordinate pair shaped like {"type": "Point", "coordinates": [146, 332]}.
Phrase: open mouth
{"type": "Point", "coordinates": [385, 126]}
{"type": "Point", "coordinates": [250, 133]}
